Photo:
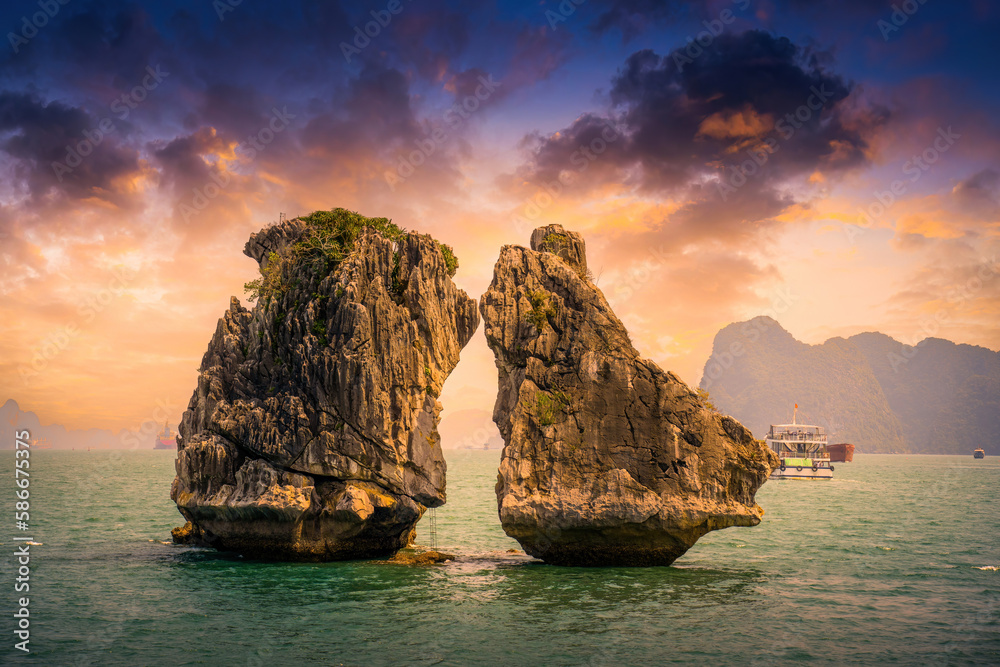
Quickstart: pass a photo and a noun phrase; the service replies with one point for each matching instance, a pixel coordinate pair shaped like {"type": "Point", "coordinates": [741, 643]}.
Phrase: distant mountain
{"type": "Point", "coordinates": [946, 396]}
{"type": "Point", "coordinates": [12, 418]}
{"type": "Point", "coordinates": [869, 389]}
{"type": "Point", "coordinates": [758, 372]}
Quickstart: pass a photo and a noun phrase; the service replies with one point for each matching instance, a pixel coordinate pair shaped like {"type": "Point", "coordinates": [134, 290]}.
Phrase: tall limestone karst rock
{"type": "Point", "coordinates": [312, 433]}
{"type": "Point", "coordinates": [608, 459]}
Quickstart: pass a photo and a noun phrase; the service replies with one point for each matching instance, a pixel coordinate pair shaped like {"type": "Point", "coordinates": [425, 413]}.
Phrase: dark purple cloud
{"type": "Point", "coordinates": [686, 116]}
{"type": "Point", "coordinates": [56, 152]}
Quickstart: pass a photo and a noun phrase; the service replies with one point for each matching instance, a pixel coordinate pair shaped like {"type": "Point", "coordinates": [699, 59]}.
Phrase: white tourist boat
{"type": "Point", "coordinates": [802, 450]}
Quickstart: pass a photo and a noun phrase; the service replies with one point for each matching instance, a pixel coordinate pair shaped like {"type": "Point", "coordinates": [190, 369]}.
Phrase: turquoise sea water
{"type": "Point", "coordinates": [893, 562]}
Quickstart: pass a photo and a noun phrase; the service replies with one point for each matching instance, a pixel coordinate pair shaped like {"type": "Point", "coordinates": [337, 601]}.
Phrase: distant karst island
{"type": "Point", "coordinates": [935, 397]}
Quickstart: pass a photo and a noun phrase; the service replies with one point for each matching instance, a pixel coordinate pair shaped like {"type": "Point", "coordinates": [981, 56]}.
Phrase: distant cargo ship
{"type": "Point", "coordinates": [841, 452]}
{"type": "Point", "coordinates": [979, 454]}
{"type": "Point", "coordinates": [166, 440]}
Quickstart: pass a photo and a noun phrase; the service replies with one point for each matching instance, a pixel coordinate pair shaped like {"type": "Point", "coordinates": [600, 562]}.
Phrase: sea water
{"type": "Point", "coordinates": [892, 562]}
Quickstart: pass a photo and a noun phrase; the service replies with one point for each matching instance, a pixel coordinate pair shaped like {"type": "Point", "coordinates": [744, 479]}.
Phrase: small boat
{"type": "Point", "coordinates": [802, 450]}
{"type": "Point", "coordinates": [841, 452]}
{"type": "Point", "coordinates": [979, 454]}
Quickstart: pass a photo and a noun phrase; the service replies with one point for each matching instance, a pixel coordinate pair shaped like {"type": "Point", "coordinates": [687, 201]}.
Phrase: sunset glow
{"type": "Point", "coordinates": [805, 164]}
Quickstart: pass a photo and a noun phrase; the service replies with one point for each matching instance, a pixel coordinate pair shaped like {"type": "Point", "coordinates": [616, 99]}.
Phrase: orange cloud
{"type": "Point", "coordinates": [736, 124]}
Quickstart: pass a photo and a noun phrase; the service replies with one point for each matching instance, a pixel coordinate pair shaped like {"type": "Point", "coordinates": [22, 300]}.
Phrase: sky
{"type": "Point", "coordinates": [835, 165]}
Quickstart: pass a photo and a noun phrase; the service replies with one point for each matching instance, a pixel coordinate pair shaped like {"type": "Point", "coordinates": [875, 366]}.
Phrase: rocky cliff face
{"type": "Point", "coordinates": [312, 433]}
{"type": "Point", "coordinates": [608, 459]}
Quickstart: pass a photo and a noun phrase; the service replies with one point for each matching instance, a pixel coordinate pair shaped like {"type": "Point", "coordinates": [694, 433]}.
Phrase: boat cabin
{"type": "Point", "coordinates": [792, 440]}
{"type": "Point", "coordinates": [802, 451]}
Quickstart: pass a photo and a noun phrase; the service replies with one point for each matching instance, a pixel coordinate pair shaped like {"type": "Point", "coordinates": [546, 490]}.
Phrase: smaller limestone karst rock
{"type": "Point", "coordinates": [608, 460]}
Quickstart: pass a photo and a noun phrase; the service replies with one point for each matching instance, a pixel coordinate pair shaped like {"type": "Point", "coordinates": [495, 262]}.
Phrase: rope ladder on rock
{"type": "Point", "coordinates": [432, 527]}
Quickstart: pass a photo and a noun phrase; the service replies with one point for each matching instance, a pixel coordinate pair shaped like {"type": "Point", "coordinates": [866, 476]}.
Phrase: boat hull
{"type": "Point", "coordinates": [979, 454]}
{"type": "Point", "coordinates": [806, 473]}
{"type": "Point", "coordinates": [841, 452]}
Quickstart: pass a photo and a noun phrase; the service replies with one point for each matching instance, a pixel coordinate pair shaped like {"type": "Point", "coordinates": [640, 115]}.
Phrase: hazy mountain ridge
{"type": "Point", "coordinates": [869, 389]}
{"type": "Point", "coordinates": [13, 418]}
{"type": "Point", "coordinates": [758, 372]}
{"type": "Point", "coordinates": [946, 395]}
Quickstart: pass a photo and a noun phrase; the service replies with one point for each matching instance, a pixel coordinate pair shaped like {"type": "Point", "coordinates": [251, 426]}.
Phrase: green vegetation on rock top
{"type": "Point", "coordinates": [331, 235]}
{"type": "Point", "coordinates": [329, 238]}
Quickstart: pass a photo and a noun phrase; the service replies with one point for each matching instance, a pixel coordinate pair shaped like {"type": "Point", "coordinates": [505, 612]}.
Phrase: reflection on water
{"type": "Point", "coordinates": [540, 584]}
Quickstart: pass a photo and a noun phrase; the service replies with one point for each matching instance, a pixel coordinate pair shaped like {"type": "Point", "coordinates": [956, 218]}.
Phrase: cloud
{"type": "Point", "coordinates": [955, 295]}
{"type": "Point", "coordinates": [641, 164]}
{"type": "Point", "coordinates": [633, 17]}
{"type": "Point", "coordinates": [182, 161]}
{"type": "Point", "coordinates": [108, 41]}
{"type": "Point", "coordinates": [980, 193]}
{"type": "Point", "coordinates": [747, 88]}
{"type": "Point", "coordinates": [679, 125]}
{"type": "Point", "coordinates": [430, 41]}
{"type": "Point", "coordinates": [968, 213]}
{"type": "Point", "coordinates": [644, 175]}
{"type": "Point", "coordinates": [361, 133]}
{"type": "Point", "coordinates": [35, 135]}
